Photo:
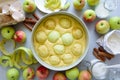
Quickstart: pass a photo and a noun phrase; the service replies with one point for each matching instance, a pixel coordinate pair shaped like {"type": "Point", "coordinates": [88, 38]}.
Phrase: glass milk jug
{"type": "Point", "coordinates": [104, 8]}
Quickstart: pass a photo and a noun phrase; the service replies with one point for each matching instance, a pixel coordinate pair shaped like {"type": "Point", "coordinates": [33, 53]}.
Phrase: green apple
{"type": "Point", "coordinates": [114, 22]}
{"type": "Point", "coordinates": [7, 32]}
{"type": "Point", "coordinates": [13, 74]}
{"type": "Point", "coordinates": [67, 39]}
{"type": "Point", "coordinates": [93, 2]}
{"type": "Point", "coordinates": [29, 6]}
{"type": "Point", "coordinates": [102, 27]}
{"type": "Point", "coordinates": [59, 49]}
{"type": "Point", "coordinates": [53, 36]}
{"type": "Point", "coordinates": [73, 73]}
{"type": "Point", "coordinates": [79, 4]}
{"type": "Point", "coordinates": [28, 74]}
{"type": "Point", "coordinates": [84, 75]}
{"type": "Point", "coordinates": [89, 15]}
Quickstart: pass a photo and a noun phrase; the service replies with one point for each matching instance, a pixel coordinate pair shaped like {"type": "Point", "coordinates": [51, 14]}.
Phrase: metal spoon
{"type": "Point", "coordinates": [113, 66]}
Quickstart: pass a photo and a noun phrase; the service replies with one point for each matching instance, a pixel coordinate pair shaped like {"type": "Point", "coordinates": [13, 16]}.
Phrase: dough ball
{"type": "Point", "coordinates": [67, 39]}
{"type": "Point", "coordinates": [77, 33]}
{"type": "Point", "coordinates": [41, 37]}
{"type": "Point", "coordinates": [67, 58]}
{"type": "Point", "coordinates": [43, 51]}
{"type": "Point", "coordinates": [50, 24]}
{"type": "Point", "coordinates": [65, 23]}
{"type": "Point", "coordinates": [54, 60]}
{"type": "Point", "coordinates": [53, 36]}
{"type": "Point", "coordinates": [77, 49]}
{"type": "Point", "coordinates": [59, 49]}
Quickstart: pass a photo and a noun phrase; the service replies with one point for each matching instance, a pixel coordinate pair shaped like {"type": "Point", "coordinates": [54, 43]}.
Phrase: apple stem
{"type": "Point", "coordinates": [118, 22]}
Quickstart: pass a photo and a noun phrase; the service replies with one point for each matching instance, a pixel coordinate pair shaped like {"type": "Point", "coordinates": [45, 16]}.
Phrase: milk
{"type": "Point", "coordinates": [99, 70]}
{"type": "Point", "coordinates": [104, 8]}
{"type": "Point", "coordinates": [101, 11]}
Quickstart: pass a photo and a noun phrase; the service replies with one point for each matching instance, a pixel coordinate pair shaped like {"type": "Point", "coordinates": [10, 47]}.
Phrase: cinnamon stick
{"type": "Point", "coordinates": [30, 20]}
{"type": "Point", "coordinates": [36, 16]}
{"type": "Point", "coordinates": [107, 55]}
{"type": "Point", "coordinates": [27, 26]}
{"type": "Point", "coordinates": [101, 49]}
{"type": "Point", "coordinates": [97, 56]}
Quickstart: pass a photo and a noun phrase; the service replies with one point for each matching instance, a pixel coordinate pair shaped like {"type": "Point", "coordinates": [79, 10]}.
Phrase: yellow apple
{"type": "Point", "coordinates": [79, 4]}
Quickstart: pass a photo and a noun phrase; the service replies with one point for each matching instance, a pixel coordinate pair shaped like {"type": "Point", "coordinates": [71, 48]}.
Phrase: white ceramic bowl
{"type": "Point", "coordinates": [40, 6]}
{"type": "Point", "coordinates": [64, 67]}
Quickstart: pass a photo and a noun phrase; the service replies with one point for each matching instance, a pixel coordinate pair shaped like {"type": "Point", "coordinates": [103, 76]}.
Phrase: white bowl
{"type": "Point", "coordinates": [41, 7]}
{"type": "Point", "coordinates": [64, 67]}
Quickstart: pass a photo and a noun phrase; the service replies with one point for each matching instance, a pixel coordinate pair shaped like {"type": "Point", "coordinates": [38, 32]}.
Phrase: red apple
{"type": "Point", "coordinates": [28, 74]}
{"type": "Point", "coordinates": [20, 36]}
{"type": "Point", "coordinates": [42, 72]}
{"type": "Point", "coordinates": [102, 27]}
{"type": "Point", "coordinates": [89, 15]}
{"type": "Point", "coordinates": [84, 75]}
{"type": "Point", "coordinates": [59, 76]}
{"type": "Point", "coordinates": [79, 4]}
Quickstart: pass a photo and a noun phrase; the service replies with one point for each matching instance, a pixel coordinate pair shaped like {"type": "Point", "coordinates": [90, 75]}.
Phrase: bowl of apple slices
{"type": "Point", "coordinates": [49, 6]}
{"type": "Point", "coordinates": [60, 41]}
